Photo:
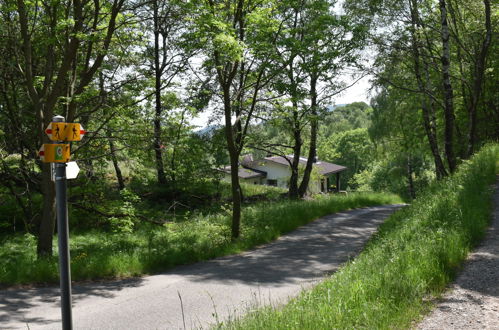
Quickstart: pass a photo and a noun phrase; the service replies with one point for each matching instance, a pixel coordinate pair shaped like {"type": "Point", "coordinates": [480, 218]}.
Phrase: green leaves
{"type": "Point", "coordinates": [351, 148]}
{"type": "Point", "coordinates": [228, 46]}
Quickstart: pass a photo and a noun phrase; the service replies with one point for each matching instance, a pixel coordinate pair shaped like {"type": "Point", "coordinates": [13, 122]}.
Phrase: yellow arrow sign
{"type": "Point", "coordinates": [54, 153]}
{"type": "Point", "coordinates": [65, 131]}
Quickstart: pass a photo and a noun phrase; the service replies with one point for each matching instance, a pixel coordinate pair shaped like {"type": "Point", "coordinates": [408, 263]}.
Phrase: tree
{"type": "Point", "coordinates": [448, 90]}
{"type": "Point", "coordinates": [346, 117]}
{"type": "Point", "coordinates": [448, 46]}
{"type": "Point", "coordinates": [472, 44]}
{"type": "Point", "coordinates": [64, 43]}
{"type": "Point", "coordinates": [235, 37]}
{"type": "Point", "coordinates": [314, 46]}
{"type": "Point", "coordinates": [406, 38]}
{"type": "Point", "coordinates": [396, 137]}
{"type": "Point", "coordinates": [421, 69]}
{"type": "Point", "coordinates": [352, 149]}
{"type": "Point", "coordinates": [169, 60]}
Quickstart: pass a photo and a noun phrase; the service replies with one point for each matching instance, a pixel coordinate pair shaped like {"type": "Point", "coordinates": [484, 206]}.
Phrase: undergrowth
{"type": "Point", "coordinates": [151, 248]}
{"type": "Point", "coordinates": [411, 258]}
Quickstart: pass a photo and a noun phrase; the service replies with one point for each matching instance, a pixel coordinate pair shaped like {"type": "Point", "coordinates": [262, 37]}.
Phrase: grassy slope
{"type": "Point", "coordinates": [414, 255]}
{"type": "Point", "coordinates": [153, 248]}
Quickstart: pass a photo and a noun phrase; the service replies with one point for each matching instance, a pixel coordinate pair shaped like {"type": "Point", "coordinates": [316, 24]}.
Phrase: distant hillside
{"type": "Point", "coordinates": [208, 130]}
{"type": "Point", "coordinates": [332, 107]}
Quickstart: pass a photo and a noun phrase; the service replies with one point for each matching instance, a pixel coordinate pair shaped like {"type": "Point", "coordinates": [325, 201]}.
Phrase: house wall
{"type": "Point", "coordinates": [257, 180]}
{"type": "Point", "coordinates": [314, 186]}
{"type": "Point", "coordinates": [281, 173]}
{"type": "Point", "coordinates": [275, 171]}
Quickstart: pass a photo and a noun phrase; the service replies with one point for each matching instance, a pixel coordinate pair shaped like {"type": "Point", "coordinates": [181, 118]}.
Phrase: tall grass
{"type": "Point", "coordinates": [412, 257]}
{"type": "Point", "coordinates": [156, 248]}
{"type": "Point", "coordinates": [251, 190]}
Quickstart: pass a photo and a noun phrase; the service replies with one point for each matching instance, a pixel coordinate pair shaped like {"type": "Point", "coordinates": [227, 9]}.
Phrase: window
{"type": "Point", "coordinates": [272, 183]}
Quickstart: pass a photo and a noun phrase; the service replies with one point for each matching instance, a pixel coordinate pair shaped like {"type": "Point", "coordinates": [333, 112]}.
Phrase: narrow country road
{"type": "Point", "coordinates": [198, 295]}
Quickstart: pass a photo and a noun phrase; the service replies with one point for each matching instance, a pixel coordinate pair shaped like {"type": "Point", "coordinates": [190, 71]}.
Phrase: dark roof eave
{"type": "Point", "coordinates": [277, 162]}
{"type": "Point", "coordinates": [255, 170]}
{"type": "Point", "coordinates": [335, 171]}
{"type": "Point", "coordinates": [259, 175]}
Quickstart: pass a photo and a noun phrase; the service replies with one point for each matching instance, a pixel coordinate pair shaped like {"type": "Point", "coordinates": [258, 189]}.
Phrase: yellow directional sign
{"type": "Point", "coordinates": [59, 131]}
{"type": "Point", "coordinates": [54, 153]}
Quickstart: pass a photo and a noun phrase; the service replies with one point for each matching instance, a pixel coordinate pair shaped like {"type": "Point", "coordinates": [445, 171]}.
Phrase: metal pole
{"type": "Point", "coordinates": [63, 238]}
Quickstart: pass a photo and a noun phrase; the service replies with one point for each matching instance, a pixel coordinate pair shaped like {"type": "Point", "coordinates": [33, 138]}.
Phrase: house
{"type": "Point", "coordinates": [276, 171]}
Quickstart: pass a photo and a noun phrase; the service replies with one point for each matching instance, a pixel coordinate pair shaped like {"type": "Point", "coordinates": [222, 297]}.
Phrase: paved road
{"type": "Point", "coordinates": [216, 289]}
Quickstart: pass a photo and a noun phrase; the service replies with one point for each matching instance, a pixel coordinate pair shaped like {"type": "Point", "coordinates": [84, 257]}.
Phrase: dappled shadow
{"type": "Point", "coordinates": [473, 300]}
{"type": "Point", "coordinates": [480, 273]}
{"type": "Point", "coordinates": [300, 257]}
{"type": "Point", "coordinates": [303, 255]}
{"type": "Point", "coordinates": [447, 303]}
{"type": "Point", "coordinates": [16, 303]}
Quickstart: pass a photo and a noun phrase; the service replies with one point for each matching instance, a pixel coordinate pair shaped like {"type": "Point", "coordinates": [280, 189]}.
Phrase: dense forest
{"type": "Point", "coordinates": [135, 73]}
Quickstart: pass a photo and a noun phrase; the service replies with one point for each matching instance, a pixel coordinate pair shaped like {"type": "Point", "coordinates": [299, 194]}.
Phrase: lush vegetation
{"type": "Point", "coordinates": [267, 73]}
{"type": "Point", "coordinates": [411, 258]}
{"type": "Point", "coordinates": [135, 73]}
{"type": "Point", "coordinates": [152, 248]}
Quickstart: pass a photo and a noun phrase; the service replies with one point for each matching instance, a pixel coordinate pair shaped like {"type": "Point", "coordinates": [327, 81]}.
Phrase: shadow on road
{"type": "Point", "coordinates": [323, 245]}
{"type": "Point", "coordinates": [15, 303]}
{"type": "Point", "coordinates": [302, 256]}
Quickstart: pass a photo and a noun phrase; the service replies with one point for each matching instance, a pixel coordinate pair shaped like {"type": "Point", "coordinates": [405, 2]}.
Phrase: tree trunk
{"type": "Point", "coordinates": [114, 159]}
{"type": "Point", "coordinates": [410, 181]}
{"type": "Point", "coordinates": [47, 223]}
{"type": "Point", "coordinates": [234, 165]}
{"type": "Point", "coordinates": [428, 122]}
{"type": "Point", "coordinates": [293, 180]}
{"type": "Point", "coordinates": [293, 191]}
{"type": "Point", "coordinates": [461, 143]}
{"type": "Point", "coordinates": [478, 75]}
{"type": "Point", "coordinates": [302, 190]}
{"type": "Point", "coordinates": [236, 195]}
{"type": "Point", "coordinates": [157, 92]}
{"type": "Point", "coordinates": [440, 170]}
{"type": "Point", "coordinates": [448, 91]}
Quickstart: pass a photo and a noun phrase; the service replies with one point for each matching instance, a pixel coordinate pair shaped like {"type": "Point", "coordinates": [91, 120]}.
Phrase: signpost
{"type": "Point", "coordinates": [72, 170]}
{"type": "Point", "coordinates": [54, 153]}
{"type": "Point", "coordinates": [59, 154]}
{"type": "Point", "coordinates": [68, 132]}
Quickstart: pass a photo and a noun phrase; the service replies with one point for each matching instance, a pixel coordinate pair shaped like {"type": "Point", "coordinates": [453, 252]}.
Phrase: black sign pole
{"type": "Point", "coordinates": [63, 238]}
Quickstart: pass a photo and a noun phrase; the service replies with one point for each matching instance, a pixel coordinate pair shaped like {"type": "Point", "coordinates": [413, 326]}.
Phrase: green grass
{"type": "Point", "coordinates": [409, 261]}
{"type": "Point", "coordinates": [152, 248]}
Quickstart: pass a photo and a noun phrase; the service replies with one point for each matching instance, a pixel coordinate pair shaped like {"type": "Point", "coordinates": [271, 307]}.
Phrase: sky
{"type": "Point", "coordinates": [357, 93]}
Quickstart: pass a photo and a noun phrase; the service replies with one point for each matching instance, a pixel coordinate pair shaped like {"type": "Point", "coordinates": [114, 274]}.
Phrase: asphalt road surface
{"type": "Point", "coordinates": [201, 294]}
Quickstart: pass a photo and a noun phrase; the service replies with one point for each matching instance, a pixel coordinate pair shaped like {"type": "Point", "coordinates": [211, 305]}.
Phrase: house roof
{"type": "Point", "coordinates": [246, 173]}
{"type": "Point", "coordinates": [323, 167]}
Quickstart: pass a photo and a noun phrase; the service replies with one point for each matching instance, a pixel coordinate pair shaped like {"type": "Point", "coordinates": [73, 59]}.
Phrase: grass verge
{"type": "Point", "coordinates": [155, 248]}
{"type": "Point", "coordinates": [412, 257]}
